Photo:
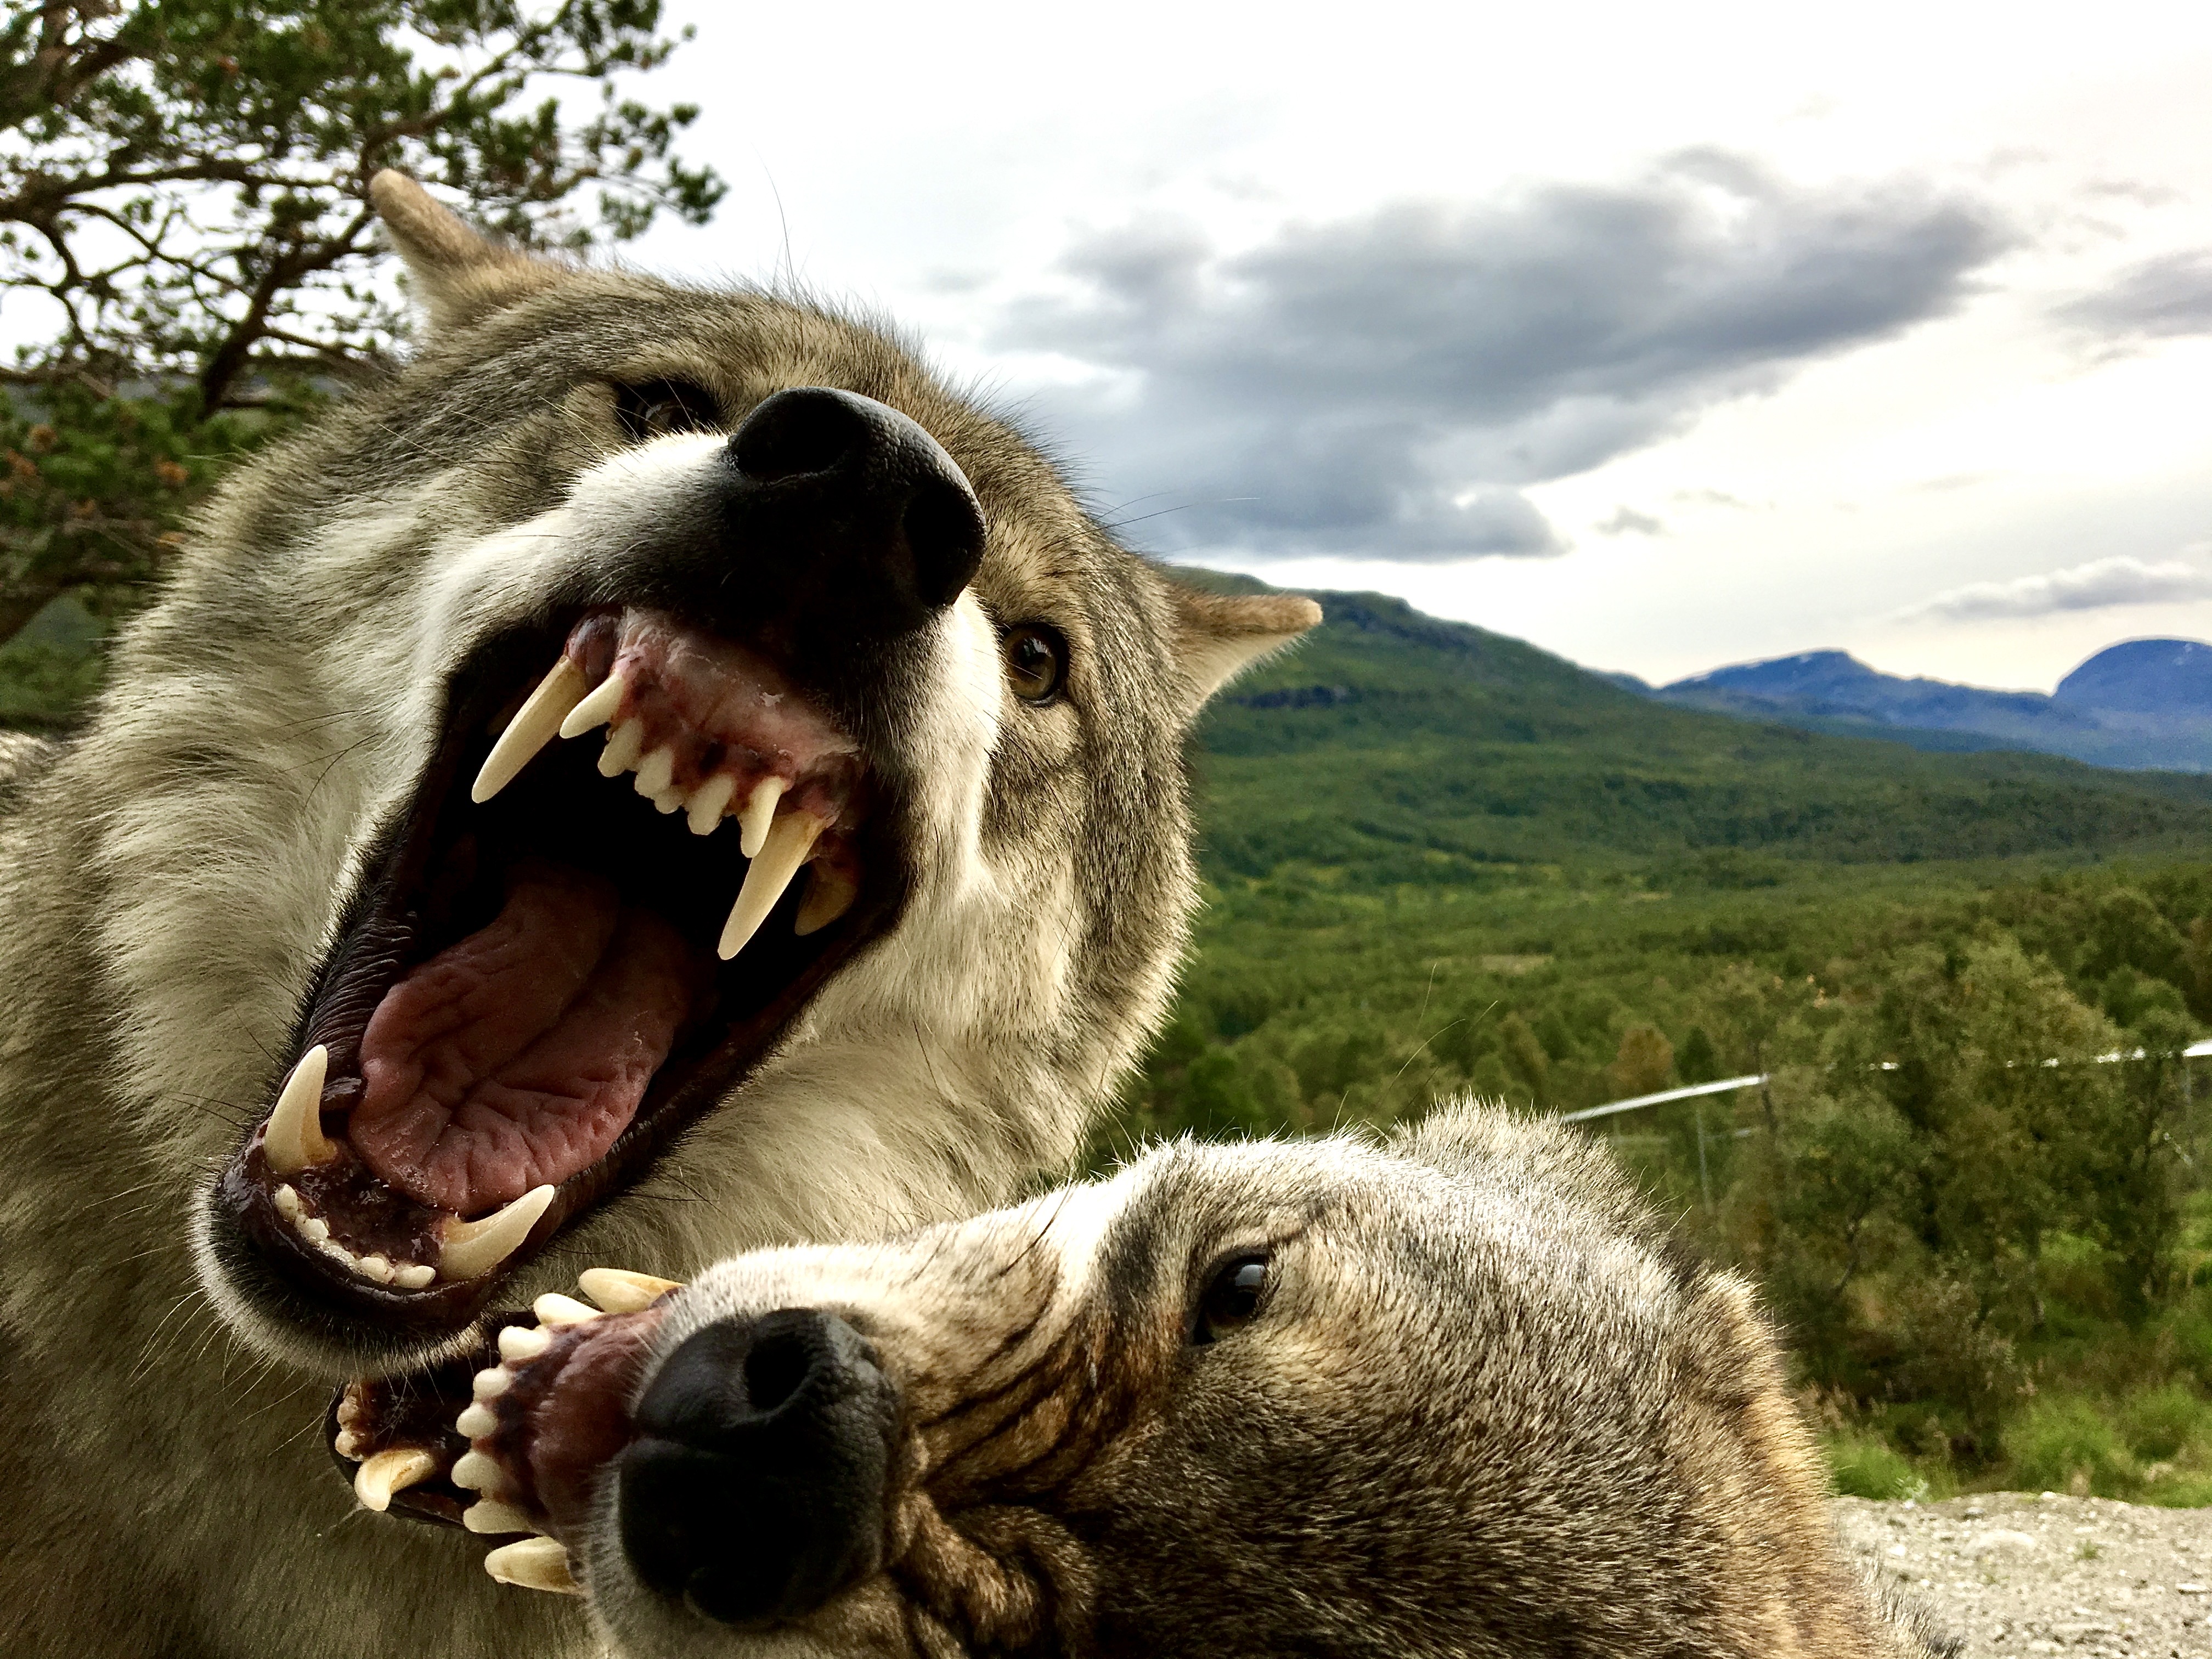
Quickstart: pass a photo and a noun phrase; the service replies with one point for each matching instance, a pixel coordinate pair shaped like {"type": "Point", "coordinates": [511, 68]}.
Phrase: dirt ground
{"type": "Point", "coordinates": [2014, 1574]}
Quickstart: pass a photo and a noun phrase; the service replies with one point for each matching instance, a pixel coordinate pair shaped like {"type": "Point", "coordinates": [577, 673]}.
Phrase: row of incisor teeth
{"type": "Point", "coordinates": [377, 1268]}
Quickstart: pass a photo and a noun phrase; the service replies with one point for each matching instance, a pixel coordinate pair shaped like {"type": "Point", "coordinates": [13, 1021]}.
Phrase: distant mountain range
{"type": "Point", "coordinates": [2143, 704]}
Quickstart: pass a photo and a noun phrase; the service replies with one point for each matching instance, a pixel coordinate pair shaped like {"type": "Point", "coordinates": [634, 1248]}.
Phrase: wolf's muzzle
{"type": "Point", "coordinates": [755, 1490]}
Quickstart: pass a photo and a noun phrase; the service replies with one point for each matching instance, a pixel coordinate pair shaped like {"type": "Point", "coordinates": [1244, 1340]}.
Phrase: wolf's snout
{"type": "Point", "coordinates": [852, 504]}
{"type": "Point", "coordinates": [756, 1488]}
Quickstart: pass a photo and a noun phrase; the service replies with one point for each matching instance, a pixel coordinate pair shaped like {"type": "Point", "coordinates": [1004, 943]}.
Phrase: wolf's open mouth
{"type": "Point", "coordinates": [544, 977]}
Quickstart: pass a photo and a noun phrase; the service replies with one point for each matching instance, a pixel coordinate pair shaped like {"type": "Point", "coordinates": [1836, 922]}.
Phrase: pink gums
{"type": "Point", "coordinates": [514, 1058]}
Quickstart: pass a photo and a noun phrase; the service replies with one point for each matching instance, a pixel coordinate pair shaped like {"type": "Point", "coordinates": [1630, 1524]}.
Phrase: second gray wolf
{"type": "Point", "coordinates": [661, 773]}
{"type": "Point", "coordinates": [1461, 1395]}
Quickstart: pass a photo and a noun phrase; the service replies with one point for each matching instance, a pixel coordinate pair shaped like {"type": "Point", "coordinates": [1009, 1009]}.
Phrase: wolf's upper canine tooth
{"type": "Point", "coordinates": [293, 1140]}
{"type": "Point", "coordinates": [555, 1310]}
{"type": "Point", "coordinates": [472, 1247]}
{"type": "Point", "coordinates": [624, 744]}
{"type": "Point", "coordinates": [476, 1418]}
{"type": "Point", "coordinates": [828, 896]}
{"type": "Point", "coordinates": [488, 1515]}
{"type": "Point", "coordinates": [478, 1472]}
{"type": "Point", "coordinates": [533, 728]}
{"type": "Point", "coordinates": [708, 801]}
{"type": "Point", "coordinates": [534, 1563]}
{"type": "Point", "coordinates": [520, 1344]}
{"type": "Point", "coordinates": [755, 822]}
{"type": "Point", "coordinates": [596, 709]}
{"type": "Point", "coordinates": [778, 860]}
{"type": "Point", "coordinates": [389, 1472]}
{"type": "Point", "coordinates": [655, 773]}
{"type": "Point", "coordinates": [619, 1290]}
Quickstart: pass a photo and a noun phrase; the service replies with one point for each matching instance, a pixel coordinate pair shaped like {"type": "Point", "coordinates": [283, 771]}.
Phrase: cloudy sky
{"type": "Point", "coordinates": [1664, 337]}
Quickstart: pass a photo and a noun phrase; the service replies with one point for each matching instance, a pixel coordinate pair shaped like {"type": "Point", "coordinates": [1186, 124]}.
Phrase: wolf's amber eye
{"type": "Point", "coordinates": [1231, 1300]}
{"type": "Point", "coordinates": [655, 409]}
{"type": "Point", "coordinates": [1036, 661]}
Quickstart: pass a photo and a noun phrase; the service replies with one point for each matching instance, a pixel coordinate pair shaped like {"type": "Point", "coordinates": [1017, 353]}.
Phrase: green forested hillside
{"type": "Point", "coordinates": [1439, 861]}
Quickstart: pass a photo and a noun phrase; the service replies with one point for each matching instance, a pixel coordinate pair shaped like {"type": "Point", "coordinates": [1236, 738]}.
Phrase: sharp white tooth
{"type": "Point", "coordinates": [346, 1443]}
{"type": "Point", "coordinates": [293, 1140]}
{"type": "Point", "coordinates": [478, 1472]}
{"type": "Point", "coordinates": [491, 1382]}
{"type": "Point", "coordinates": [520, 1344]}
{"type": "Point", "coordinates": [415, 1276]}
{"type": "Point", "coordinates": [766, 877]}
{"type": "Point", "coordinates": [286, 1199]}
{"type": "Point", "coordinates": [668, 800]}
{"type": "Point", "coordinates": [596, 709]}
{"type": "Point", "coordinates": [828, 896]}
{"type": "Point", "coordinates": [531, 728]}
{"type": "Point", "coordinates": [490, 1516]}
{"type": "Point", "coordinates": [555, 1310]}
{"type": "Point", "coordinates": [314, 1229]}
{"type": "Point", "coordinates": [708, 801]}
{"type": "Point", "coordinates": [389, 1472]}
{"type": "Point", "coordinates": [477, 1419]}
{"type": "Point", "coordinates": [655, 773]}
{"type": "Point", "coordinates": [374, 1267]}
{"type": "Point", "coordinates": [759, 815]}
{"type": "Point", "coordinates": [534, 1563]}
{"type": "Point", "coordinates": [624, 744]}
{"type": "Point", "coordinates": [619, 1290]}
{"type": "Point", "coordinates": [475, 1247]}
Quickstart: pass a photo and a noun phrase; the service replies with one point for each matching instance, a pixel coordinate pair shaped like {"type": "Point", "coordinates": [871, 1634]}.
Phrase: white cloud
{"type": "Point", "coordinates": [2097, 586]}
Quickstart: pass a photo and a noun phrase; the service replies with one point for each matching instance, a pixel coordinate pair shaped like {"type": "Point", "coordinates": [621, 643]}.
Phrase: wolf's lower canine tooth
{"type": "Point", "coordinates": [828, 896]}
{"type": "Point", "coordinates": [534, 1563]}
{"type": "Point", "coordinates": [555, 1310]}
{"type": "Point", "coordinates": [490, 1515]}
{"type": "Point", "coordinates": [619, 1290]}
{"type": "Point", "coordinates": [759, 815]}
{"type": "Point", "coordinates": [655, 773]}
{"type": "Point", "coordinates": [294, 1140]}
{"type": "Point", "coordinates": [788, 843]}
{"type": "Point", "coordinates": [533, 728]}
{"type": "Point", "coordinates": [706, 802]}
{"type": "Point", "coordinates": [624, 744]}
{"type": "Point", "coordinates": [389, 1472]}
{"type": "Point", "coordinates": [520, 1344]}
{"type": "Point", "coordinates": [471, 1248]}
{"type": "Point", "coordinates": [596, 709]}
{"type": "Point", "coordinates": [473, 1470]}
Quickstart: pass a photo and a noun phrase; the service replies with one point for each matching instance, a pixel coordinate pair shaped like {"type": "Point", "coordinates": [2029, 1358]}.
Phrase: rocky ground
{"type": "Point", "coordinates": [2016, 1575]}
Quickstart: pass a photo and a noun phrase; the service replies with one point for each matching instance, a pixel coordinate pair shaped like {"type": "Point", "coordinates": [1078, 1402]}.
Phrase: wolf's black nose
{"type": "Point", "coordinates": [756, 1488]}
{"type": "Point", "coordinates": [852, 505]}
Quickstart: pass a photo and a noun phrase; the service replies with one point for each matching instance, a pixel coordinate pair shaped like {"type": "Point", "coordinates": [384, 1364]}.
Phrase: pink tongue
{"type": "Point", "coordinates": [516, 1056]}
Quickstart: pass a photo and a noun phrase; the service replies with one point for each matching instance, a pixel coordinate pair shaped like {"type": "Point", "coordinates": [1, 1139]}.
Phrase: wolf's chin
{"type": "Point", "coordinates": [546, 974]}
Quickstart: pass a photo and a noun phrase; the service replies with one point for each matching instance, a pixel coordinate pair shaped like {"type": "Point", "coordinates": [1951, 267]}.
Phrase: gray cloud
{"type": "Point", "coordinates": [2169, 294]}
{"type": "Point", "coordinates": [1384, 385]}
{"type": "Point", "coordinates": [1627, 521]}
{"type": "Point", "coordinates": [2093, 586]}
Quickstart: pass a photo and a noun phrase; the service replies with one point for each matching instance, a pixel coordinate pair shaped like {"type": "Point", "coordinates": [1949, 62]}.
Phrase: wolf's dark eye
{"type": "Point", "coordinates": [1231, 1300]}
{"type": "Point", "coordinates": [657, 408]}
{"type": "Point", "coordinates": [1036, 661]}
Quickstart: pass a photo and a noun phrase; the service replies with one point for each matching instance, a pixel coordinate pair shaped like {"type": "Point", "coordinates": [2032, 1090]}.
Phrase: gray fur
{"type": "Point", "coordinates": [170, 880]}
{"type": "Point", "coordinates": [1489, 1407]}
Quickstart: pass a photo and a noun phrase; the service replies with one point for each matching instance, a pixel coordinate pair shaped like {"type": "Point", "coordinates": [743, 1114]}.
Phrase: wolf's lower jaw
{"type": "Point", "coordinates": [537, 986]}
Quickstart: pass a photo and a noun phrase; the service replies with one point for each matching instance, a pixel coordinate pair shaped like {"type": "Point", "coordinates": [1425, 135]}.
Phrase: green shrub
{"type": "Point", "coordinates": [1867, 1465]}
{"type": "Point", "coordinates": [2066, 1443]}
{"type": "Point", "coordinates": [2161, 1423]}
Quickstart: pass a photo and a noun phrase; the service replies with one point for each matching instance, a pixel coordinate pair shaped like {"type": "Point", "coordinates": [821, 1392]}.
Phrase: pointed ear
{"type": "Point", "coordinates": [461, 276]}
{"type": "Point", "coordinates": [1219, 636]}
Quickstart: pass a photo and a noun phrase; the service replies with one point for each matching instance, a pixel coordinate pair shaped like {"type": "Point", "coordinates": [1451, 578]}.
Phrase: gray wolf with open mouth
{"type": "Point", "coordinates": [660, 775]}
{"type": "Point", "coordinates": [1458, 1395]}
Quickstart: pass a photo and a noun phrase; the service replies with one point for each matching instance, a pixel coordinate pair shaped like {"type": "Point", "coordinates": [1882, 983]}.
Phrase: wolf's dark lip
{"type": "Point", "coordinates": [354, 1238]}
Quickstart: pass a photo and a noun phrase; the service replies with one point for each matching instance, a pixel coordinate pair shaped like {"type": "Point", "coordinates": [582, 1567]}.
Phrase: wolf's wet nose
{"type": "Point", "coordinates": [870, 503]}
{"type": "Point", "coordinates": [756, 1488]}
